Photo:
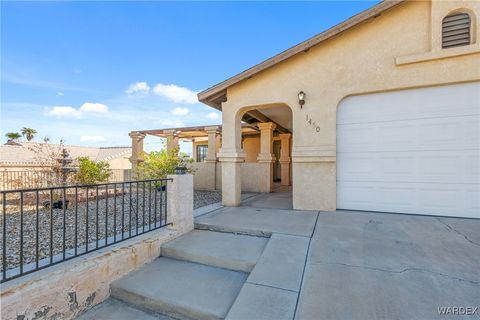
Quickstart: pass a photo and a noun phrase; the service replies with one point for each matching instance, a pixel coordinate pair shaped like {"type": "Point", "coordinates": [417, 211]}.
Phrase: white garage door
{"type": "Point", "coordinates": [411, 151]}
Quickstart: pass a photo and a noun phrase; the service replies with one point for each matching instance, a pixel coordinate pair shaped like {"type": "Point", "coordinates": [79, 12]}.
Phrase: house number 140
{"type": "Point", "coordinates": [312, 123]}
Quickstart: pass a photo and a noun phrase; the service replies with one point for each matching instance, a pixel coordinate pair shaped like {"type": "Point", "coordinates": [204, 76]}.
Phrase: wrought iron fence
{"type": "Point", "coordinates": [46, 226]}
{"type": "Point", "coordinates": [22, 179]}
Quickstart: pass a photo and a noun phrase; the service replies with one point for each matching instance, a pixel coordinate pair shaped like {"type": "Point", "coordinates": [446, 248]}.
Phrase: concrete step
{"type": "Point", "coordinates": [258, 221]}
{"type": "Point", "coordinates": [224, 250]}
{"type": "Point", "coordinates": [112, 309]}
{"type": "Point", "coordinates": [259, 302]}
{"type": "Point", "coordinates": [180, 289]}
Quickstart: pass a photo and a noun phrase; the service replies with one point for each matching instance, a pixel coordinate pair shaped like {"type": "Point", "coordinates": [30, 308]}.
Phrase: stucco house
{"type": "Point", "coordinates": [378, 113]}
{"type": "Point", "coordinates": [21, 155]}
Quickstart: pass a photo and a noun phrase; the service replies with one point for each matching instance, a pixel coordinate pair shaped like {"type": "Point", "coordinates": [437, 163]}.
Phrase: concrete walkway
{"type": "Point", "coordinates": [291, 264]}
{"type": "Point", "coordinates": [259, 221]}
{"type": "Point", "coordinates": [280, 198]}
{"type": "Point", "coordinates": [365, 265]}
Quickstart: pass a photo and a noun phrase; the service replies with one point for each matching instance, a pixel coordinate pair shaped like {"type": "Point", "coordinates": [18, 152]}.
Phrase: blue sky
{"type": "Point", "coordinates": [91, 72]}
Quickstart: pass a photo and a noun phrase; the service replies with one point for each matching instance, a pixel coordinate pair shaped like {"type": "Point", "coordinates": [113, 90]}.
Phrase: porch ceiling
{"type": "Point", "coordinates": [281, 116]}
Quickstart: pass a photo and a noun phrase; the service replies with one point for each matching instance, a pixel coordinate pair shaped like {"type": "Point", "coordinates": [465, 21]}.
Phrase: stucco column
{"type": "Point", "coordinates": [210, 164]}
{"type": "Point", "coordinates": [212, 144]}
{"type": "Point", "coordinates": [231, 156]}
{"type": "Point", "coordinates": [266, 158]}
{"type": "Point", "coordinates": [180, 202]}
{"type": "Point", "coordinates": [172, 140]}
{"type": "Point", "coordinates": [285, 158]}
{"type": "Point", "coordinates": [137, 149]}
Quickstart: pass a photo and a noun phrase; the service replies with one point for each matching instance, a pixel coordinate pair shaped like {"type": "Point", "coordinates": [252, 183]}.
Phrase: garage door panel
{"type": "Point", "coordinates": [472, 201]}
{"type": "Point", "coordinates": [427, 166]}
{"type": "Point", "coordinates": [440, 198]}
{"type": "Point", "coordinates": [365, 195]}
{"type": "Point", "coordinates": [447, 133]}
{"type": "Point", "coordinates": [356, 195]}
{"type": "Point", "coordinates": [415, 198]}
{"type": "Point", "coordinates": [454, 133]}
{"type": "Point", "coordinates": [420, 103]}
{"type": "Point", "coordinates": [412, 151]}
{"type": "Point", "coordinates": [471, 169]}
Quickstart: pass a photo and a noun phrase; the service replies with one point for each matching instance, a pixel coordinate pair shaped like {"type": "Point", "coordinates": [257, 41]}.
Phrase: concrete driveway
{"type": "Point", "coordinates": [364, 265]}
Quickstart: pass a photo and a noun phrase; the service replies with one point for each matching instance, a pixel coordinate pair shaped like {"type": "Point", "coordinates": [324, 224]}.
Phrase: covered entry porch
{"type": "Point", "coordinates": [266, 150]}
{"type": "Point", "coordinates": [272, 165]}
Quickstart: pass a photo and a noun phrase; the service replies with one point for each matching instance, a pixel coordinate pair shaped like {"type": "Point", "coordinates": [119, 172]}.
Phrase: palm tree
{"type": "Point", "coordinates": [29, 133]}
{"type": "Point", "coordinates": [11, 136]}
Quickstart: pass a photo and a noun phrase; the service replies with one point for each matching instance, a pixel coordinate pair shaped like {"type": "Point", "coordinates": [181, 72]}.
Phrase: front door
{"type": "Point", "coordinates": [277, 174]}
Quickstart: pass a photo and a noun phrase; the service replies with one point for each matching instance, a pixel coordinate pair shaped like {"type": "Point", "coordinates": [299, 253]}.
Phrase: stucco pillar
{"type": "Point", "coordinates": [180, 202]}
{"type": "Point", "coordinates": [211, 159]}
{"type": "Point", "coordinates": [212, 144]}
{"type": "Point", "coordinates": [231, 157]}
{"type": "Point", "coordinates": [137, 149]}
{"type": "Point", "coordinates": [266, 158]}
{"type": "Point", "coordinates": [285, 158]}
{"type": "Point", "coordinates": [172, 140]}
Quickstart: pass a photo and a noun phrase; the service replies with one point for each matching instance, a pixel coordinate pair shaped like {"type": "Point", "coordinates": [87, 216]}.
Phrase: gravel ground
{"type": "Point", "coordinates": [204, 198]}
{"type": "Point", "coordinates": [109, 218]}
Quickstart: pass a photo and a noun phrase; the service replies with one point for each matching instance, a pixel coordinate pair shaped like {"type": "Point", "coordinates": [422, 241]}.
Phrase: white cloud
{"type": "Point", "coordinates": [77, 71]}
{"type": "Point", "coordinates": [172, 123]}
{"type": "Point", "coordinates": [213, 115]}
{"type": "Point", "coordinates": [59, 93]}
{"type": "Point", "coordinates": [138, 87]}
{"type": "Point", "coordinates": [92, 138]}
{"type": "Point", "coordinates": [176, 93]}
{"type": "Point", "coordinates": [64, 112]}
{"type": "Point", "coordinates": [180, 111]}
{"type": "Point", "coordinates": [93, 107]}
{"type": "Point", "coordinates": [71, 112]}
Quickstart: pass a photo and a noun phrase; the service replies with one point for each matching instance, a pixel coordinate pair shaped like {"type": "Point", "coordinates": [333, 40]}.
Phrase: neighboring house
{"type": "Point", "coordinates": [383, 110]}
{"type": "Point", "coordinates": [16, 156]}
{"type": "Point", "coordinates": [19, 159]}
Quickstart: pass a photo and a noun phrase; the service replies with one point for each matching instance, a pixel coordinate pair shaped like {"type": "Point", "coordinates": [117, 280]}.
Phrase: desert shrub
{"type": "Point", "coordinates": [91, 172]}
{"type": "Point", "coordinates": [159, 164]}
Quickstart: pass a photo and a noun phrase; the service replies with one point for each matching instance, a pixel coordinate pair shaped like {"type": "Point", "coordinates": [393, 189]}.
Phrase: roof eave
{"type": "Point", "coordinates": [206, 95]}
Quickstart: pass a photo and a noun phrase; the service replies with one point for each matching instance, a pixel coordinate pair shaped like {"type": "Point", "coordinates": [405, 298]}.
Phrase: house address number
{"type": "Point", "coordinates": [312, 123]}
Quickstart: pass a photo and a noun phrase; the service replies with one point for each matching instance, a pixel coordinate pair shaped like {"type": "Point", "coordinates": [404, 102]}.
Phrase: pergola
{"type": "Point", "coordinates": [174, 135]}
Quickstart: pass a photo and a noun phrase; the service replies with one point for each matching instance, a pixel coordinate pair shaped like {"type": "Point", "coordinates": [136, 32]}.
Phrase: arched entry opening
{"type": "Point", "coordinates": [265, 134]}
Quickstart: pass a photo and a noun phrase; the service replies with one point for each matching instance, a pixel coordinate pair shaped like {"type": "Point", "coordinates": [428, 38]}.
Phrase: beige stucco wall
{"type": "Point", "coordinates": [204, 175]}
{"type": "Point", "coordinates": [207, 176]}
{"type": "Point", "coordinates": [122, 162]}
{"type": "Point", "coordinates": [204, 178]}
{"type": "Point", "coordinates": [390, 52]}
{"type": "Point", "coordinates": [257, 173]}
{"type": "Point", "coordinates": [251, 146]}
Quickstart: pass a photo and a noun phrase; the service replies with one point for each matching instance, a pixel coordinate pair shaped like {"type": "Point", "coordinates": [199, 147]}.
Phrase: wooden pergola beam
{"type": "Point", "coordinates": [263, 118]}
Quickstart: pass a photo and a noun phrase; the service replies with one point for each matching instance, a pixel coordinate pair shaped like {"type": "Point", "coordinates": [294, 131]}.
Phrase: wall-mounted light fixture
{"type": "Point", "coordinates": [301, 98]}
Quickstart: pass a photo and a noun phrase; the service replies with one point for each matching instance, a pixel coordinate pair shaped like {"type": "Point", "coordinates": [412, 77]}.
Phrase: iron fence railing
{"type": "Point", "coordinates": [23, 179]}
{"type": "Point", "coordinates": [46, 226]}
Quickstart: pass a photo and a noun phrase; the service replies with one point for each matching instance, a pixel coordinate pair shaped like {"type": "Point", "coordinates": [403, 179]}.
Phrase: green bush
{"type": "Point", "coordinates": [91, 172]}
{"type": "Point", "coordinates": [158, 164]}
